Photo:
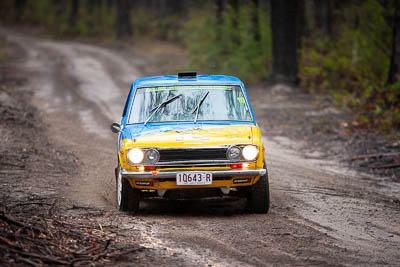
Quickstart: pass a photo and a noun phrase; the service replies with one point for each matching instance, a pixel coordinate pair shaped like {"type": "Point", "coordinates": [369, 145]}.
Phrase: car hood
{"type": "Point", "coordinates": [190, 134]}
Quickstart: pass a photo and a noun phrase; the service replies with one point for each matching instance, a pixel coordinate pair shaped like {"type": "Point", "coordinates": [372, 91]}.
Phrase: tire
{"type": "Point", "coordinates": [258, 197]}
{"type": "Point", "coordinates": [127, 197]}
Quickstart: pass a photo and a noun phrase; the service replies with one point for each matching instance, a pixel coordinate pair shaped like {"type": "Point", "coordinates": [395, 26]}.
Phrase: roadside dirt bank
{"type": "Point", "coordinates": [321, 214]}
{"type": "Point", "coordinates": [312, 125]}
{"type": "Point", "coordinates": [38, 225]}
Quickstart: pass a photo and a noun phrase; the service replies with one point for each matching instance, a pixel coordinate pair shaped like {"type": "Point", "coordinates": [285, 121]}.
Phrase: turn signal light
{"type": "Point", "coordinates": [240, 165]}
{"type": "Point", "coordinates": [146, 168]}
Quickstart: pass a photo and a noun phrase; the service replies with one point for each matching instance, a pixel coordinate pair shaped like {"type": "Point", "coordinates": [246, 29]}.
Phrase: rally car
{"type": "Point", "coordinates": [189, 136]}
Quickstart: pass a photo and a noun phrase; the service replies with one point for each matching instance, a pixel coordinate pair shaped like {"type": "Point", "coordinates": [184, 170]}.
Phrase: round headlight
{"type": "Point", "coordinates": [250, 152]}
{"type": "Point", "coordinates": [152, 155]}
{"type": "Point", "coordinates": [135, 155]}
{"type": "Point", "coordinates": [233, 153]}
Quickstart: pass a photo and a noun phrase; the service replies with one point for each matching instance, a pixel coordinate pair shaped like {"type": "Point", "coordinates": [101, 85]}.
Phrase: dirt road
{"type": "Point", "coordinates": [321, 214]}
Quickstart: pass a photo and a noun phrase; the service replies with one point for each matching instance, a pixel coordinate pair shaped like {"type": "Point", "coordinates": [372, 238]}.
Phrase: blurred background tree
{"type": "Point", "coordinates": [123, 20]}
{"type": "Point", "coordinates": [349, 49]}
{"type": "Point", "coordinates": [394, 73]}
{"type": "Point", "coordinates": [284, 25]}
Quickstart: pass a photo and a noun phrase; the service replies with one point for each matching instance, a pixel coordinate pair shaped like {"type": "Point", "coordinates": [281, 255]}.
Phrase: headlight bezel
{"type": "Point", "coordinates": [234, 150]}
{"type": "Point", "coordinates": [155, 153]}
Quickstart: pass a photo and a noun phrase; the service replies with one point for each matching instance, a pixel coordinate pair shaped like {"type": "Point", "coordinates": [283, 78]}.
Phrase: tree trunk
{"type": "Point", "coordinates": [94, 8]}
{"type": "Point", "coordinates": [284, 40]}
{"type": "Point", "coordinates": [303, 28]}
{"type": "Point", "coordinates": [219, 20]}
{"type": "Point", "coordinates": [109, 4]}
{"type": "Point", "coordinates": [220, 12]}
{"type": "Point", "coordinates": [177, 7]}
{"type": "Point", "coordinates": [93, 5]}
{"type": "Point", "coordinates": [73, 12]}
{"type": "Point", "coordinates": [323, 16]}
{"type": "Point", "coordinates": [255, 22]}
{"type": "Point", "coordinates": [19, 6]}
{"type": "Point", "coordinates": [162, 7]}
{"type": "Point", "coordinates": [234, 8]}
{"type": "Point", "coordinates": [394, 72]}
{"type": "Point", "coordinates": [124, 29]}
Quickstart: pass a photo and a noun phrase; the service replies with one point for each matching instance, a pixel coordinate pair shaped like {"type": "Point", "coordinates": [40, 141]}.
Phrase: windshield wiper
{"type": "Point", "coordinates": [163, 104]}
{"type": "Point", "coordinates": [197, 108]}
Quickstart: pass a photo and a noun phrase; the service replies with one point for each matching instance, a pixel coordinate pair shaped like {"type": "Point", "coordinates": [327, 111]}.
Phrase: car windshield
{"type": "Point", "coordinates": [189, 103]}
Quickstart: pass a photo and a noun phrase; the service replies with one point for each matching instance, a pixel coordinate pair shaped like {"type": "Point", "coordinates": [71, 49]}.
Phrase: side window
{"type": "Point", "coordinates": [127, 102]}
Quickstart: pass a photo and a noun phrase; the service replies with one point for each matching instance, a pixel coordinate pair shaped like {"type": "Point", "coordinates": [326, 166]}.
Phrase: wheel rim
{"type": "Point", "coordinates": [119, 189]}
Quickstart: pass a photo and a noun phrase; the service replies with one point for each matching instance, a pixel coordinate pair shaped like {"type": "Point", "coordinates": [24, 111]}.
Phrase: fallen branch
{"type": "Point", "coordinates": [28, 261]}
{"type": "Point", "coordinates": [74, 261]}
{"type": "Point", "coordinates": [8, 242]}
{"type": "Point", "coordinates": [387, 166]}
{"type": "Point", "coordinates": [32, 255]}
{"type": "Point", "coordinates": [60, 243]}
{"type": "Point", "coordinates": [104, 253]}
{"type": "Point", "coordinates": [376, 155]}
{"type": "Point", "coordinates": [16, 223]}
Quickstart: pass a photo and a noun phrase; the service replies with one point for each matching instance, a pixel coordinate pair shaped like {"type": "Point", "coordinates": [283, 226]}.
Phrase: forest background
{"type": "Point", "coordinates": [349, 49]}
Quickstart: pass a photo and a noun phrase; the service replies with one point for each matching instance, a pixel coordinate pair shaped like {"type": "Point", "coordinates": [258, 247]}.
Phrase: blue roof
{"type": "Point", "coordinates": [199, 79]}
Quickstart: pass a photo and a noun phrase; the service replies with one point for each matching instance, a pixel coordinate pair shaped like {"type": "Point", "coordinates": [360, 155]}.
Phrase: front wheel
{"type": "Point", "coordinates": [258, 197]}
{"type": "Point", "coordinates": [127, 197]}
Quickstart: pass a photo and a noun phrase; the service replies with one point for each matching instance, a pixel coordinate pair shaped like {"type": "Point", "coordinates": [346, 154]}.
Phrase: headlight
{"type": "Point", "coordinates": [250, 152]}
{"type": "Point", "coordinates": [233, 153]}
{"type": "Point", "coordinates": [152, 156]}
{"type": "Point", "coordinates": [135, 155]}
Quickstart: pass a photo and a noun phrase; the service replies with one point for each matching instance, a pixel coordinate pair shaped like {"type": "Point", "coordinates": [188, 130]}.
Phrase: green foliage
{"type": "Point", "coordinates": [154, 25]}
{"type": "Point", "coordinates": [93, 17]}
{"type": "Point", "coordinates": [354, 64]}
{"type": "Point", "coordinates": [229, 49]}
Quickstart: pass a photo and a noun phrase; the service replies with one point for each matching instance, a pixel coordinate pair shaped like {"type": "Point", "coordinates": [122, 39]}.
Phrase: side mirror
{"type": "Point", "coordinates": [115, 127]}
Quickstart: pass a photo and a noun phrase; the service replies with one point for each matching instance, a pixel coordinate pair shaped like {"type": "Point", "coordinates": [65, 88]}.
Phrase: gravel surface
{"type": "Point", "coordinates": [320, 130]}
{"type": "Point", "coordinates": [322, 213]}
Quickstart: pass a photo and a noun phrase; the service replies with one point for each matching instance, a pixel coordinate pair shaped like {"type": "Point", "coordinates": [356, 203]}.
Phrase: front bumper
{"type": "Point", "coordinates": [172, 174]}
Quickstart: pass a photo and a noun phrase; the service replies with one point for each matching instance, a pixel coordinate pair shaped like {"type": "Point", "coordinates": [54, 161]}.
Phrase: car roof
{"type": "Point", "coordinates": [198, 79]}
{"type": "Point", "coordinates": [191, 78]}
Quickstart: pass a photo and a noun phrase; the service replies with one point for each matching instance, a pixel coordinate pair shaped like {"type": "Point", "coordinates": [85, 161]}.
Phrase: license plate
{"type": "Point", "coordinates": [193, 178]}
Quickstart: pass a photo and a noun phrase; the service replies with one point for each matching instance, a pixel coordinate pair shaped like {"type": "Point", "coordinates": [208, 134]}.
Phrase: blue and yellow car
{"type": "Point", "coordinates": [189, 136]}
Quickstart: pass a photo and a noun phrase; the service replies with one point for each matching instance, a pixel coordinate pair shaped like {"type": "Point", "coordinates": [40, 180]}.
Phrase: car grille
{"type": "Point", "coordinates": [174, 155]}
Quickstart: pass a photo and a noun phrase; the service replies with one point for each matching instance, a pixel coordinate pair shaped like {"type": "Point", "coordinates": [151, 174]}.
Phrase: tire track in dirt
{"type": "Point", "coordinates": [321, 214]}
{"type": "Point", "coordinates": [78, 99]}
